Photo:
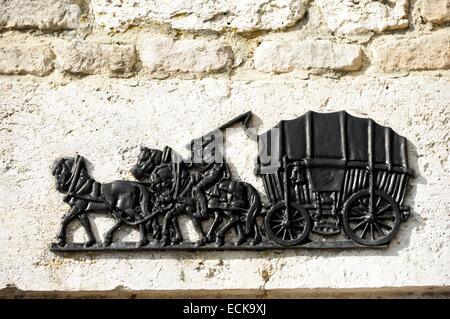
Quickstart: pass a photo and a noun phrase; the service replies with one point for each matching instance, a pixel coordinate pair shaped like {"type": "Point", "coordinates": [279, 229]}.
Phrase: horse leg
{"type": "Point", "coordinates": [178, 237]}
{"type": "Point", "coordinates": [197, 226]}
{"type": "Point", "coordinates": [110, 233]}
{"type": "Point", "coordinates": [211, 232]}
{"type": "Point", "coordinates": [65, 221]}
{"type": "Point", "coordinates": [156, 228]}
{"type": "Point", "coordinates": [220, 238]}
{"type": "Point", "coordinates": [142, 231]}
{"type": "Point", "coordinates": [257, 239]}
{"type": "Point", "coordinates": [240, 234]}
{"type": "Point", "coordinates": [165, 232]}
{"type": "Point", "coordinates": [84, 220]}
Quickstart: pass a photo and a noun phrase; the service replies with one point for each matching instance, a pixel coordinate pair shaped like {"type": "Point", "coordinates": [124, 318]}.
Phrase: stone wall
{"type": "Point", "coordinates": [102, 77]}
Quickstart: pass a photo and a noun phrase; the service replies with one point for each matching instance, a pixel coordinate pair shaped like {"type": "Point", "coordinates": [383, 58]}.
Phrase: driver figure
{"type": "Point", "coordinates": [211, 171]}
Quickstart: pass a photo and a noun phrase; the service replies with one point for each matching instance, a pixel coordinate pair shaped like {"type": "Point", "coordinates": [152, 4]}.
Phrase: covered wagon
{"type": "Point", "coordinates": [324, 172]}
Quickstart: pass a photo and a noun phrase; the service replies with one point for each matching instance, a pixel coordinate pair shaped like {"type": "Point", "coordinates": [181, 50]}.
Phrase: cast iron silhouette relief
{"type": "Point", "coordinates": [331, 175]}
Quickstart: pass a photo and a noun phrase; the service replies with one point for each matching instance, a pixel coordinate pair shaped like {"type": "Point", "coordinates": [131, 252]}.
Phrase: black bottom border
{"type": "Point", "coordinates": [224, 308]}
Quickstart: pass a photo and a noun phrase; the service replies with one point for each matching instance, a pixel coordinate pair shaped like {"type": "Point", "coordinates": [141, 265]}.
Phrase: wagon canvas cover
{"type": "Point", "coordinates": [331, 139]}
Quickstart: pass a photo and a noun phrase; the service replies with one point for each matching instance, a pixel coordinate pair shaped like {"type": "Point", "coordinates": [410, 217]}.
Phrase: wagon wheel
{"type": "Point", "coordinates": [371, 228]}
{"type": "Point", "coordinates": [287, 230]}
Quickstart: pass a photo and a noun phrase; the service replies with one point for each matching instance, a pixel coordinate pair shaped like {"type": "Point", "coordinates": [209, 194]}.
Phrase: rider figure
{"type": "Point", "coordinates": [211, 170]}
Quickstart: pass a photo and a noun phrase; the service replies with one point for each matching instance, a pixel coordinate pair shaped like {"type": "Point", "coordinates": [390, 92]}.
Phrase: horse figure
{"type": "Point", "coordinates": [171, 184]}
{"type": "Point", "coordinates": [128, 201]}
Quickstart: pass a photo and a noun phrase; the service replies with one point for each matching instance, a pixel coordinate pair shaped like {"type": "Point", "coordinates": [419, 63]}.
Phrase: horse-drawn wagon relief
{"type": "Point", "coordinates": [328, 175]}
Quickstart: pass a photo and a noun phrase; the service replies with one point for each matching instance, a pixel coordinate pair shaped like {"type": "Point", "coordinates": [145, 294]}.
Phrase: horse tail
{"type": "Point", "coordinates": [254, 209]}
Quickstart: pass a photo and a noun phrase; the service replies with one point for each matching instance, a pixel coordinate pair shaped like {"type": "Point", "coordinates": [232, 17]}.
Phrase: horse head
{"type": "Point", "coordinates": [63, 170]}
{"type": "Point", "coordinates": [147, 160]}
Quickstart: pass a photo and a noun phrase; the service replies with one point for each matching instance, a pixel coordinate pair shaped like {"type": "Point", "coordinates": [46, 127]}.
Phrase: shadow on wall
{"type": "Point", "coordinates": [400, 241]}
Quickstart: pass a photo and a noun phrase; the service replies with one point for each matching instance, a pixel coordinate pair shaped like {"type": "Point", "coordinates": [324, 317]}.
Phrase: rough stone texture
{"type": "Point", "coordinates": [281, 56]}
{"type": "Point", "coordinates": [362, 16]}
{"type": "Point", "coordinates": [187, 56]}
{"type": "Point", "coordinates": [436, 11]}
{"type": "Point", "coordinates": [26, 59]}
{"type": "Point", "coordinates": [241, 15]}
{"type": "Point", "coordinates": [39, 14]}
{"type": "Point", "coordinates": [106, 121]}
{"type": "Point", "coordinates": [84, 57]}
{"type": "Point", "coordinates": [428, 52]}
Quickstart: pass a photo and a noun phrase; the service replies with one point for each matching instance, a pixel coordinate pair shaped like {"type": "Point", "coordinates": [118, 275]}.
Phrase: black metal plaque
{"type": "Point", "coordinates": [331, 176]}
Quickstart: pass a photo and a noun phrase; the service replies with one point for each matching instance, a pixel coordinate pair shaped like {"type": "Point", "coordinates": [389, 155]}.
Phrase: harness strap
{"type": "Point", "coordinates": [74, 177]}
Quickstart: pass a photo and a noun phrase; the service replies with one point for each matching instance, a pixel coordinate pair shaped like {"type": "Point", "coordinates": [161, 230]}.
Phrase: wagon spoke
{"type": "Point", "coordinates": [385, 216]}
{"type": "Point", "coordinates": [279, 215]}
{"type": "Point", "coordinates": [365, 231]}
{"type": "Point", "coordinates": [277, 225]}
{"type": "Point", "coordinates": [278, 232]}
{"type": "Point", "coordinates": [372, 232]}
{"type": "Point", "coordinates": [290, 233]}
{"type": "Point", "coordinates": [359, 210]}
{"type": "Point", "coordinates": [384, 225]}
{"type": "Point", "coordinates": [298, 219]}
{"type": "Point", "coordinates": [383, 209]}
{"type": "Point", "coordinates": [379, 230]}
{"type": "Point", "coordinates": [378, 202]}
{"type": "Point", "coordinates": [284, 234]}
{"type": "Point", "coordinates": [359, 225]}
{"type": "Point", "coordinates": [357, 218]}
{"type": "Point", "coordinates": [294, 233]}
{"type": "Point", "coordinates": [276, 221]}
{"type": "Point", "coordinates": [363, 206]}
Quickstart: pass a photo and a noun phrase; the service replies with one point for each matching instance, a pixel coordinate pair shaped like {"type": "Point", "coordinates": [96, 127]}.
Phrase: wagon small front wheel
{"type": "Point", "coordinates": [371, 227]}
{"type": "Point", "coordinates": [287, 229]}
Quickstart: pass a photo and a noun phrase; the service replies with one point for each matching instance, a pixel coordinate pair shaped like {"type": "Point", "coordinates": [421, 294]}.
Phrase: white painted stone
{"type": "Point", "coordinates": [283, 56]}
{"type": "Point", "coordinates": [241, 15]}
{"type": "Point", "coordinates": [106, 121]}
{"type": "Point", "coordinates": [186, 56]}
{"type": "Point", "coordinates": [26, 59]}
{"type": "Point", "coordinates": [427, 52]}
{"type": "Point", "coordinates": [436, 11]}
{"type": "Point", "coordinates": [84, 57]}
{"type": "Point", "coordinates": [363, 16]}
{"type": "Point", "coordinates": [39, 14]}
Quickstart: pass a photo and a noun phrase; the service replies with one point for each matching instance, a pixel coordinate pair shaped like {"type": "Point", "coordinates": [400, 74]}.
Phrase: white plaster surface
{"type": "Point", "coordinates": [106, 120]}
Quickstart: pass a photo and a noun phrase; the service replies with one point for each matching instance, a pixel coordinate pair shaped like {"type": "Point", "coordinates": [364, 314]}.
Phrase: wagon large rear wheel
{"type": "Point", "coordinates": [371, 227]}
{"type": "Point", "coordinates": [284, 229]}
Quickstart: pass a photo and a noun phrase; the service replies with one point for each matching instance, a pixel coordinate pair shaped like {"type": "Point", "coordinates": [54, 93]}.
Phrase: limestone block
{"type": "Point", "coordinates": [428, 52]}
{"type": "Point", "coordinates": [85, 57]}
{"type": "Point", "coordinates": [186, 56]}
{"type": "Point", "coordinates": [26, 59]}
{"type": "Point", "coordinates": [241, 15]}
{"type": "Point", "coordinates": [436, 11]}
{"type": "Point", "coordinates": [283, 56]}
{"type": "Point", "coordinates": [363, 16]}
{"type": "Point", "coordinates": [39, 14]}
